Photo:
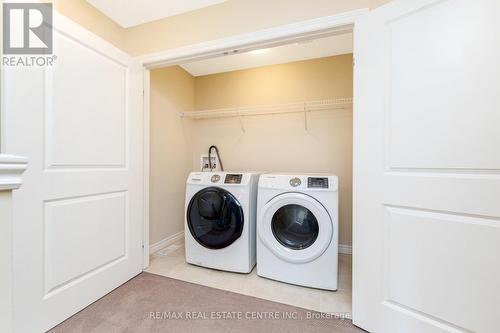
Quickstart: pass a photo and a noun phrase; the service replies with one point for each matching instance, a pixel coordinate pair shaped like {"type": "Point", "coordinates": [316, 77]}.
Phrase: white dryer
{"type": "Point", "coordinates": [297, 226]}
{"type": "Point", "coordinates": [220, 220]}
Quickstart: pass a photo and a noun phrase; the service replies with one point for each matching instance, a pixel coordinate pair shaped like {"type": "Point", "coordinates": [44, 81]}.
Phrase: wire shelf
{"type": "Point", "coordinates": [307, 106]}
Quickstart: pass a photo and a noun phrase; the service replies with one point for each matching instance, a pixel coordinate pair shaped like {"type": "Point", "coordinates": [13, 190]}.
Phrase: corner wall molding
{"type": "Point", "coordinates": [11, 170]}
{"type": "Point", "coordinates": [166, 242]}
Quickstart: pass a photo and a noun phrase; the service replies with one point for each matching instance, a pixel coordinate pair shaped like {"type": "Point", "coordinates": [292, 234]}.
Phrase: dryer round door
{"type": "Point", "coordinates": [215, 218]}
{"type": "Point", "coordinates": [295, 227]}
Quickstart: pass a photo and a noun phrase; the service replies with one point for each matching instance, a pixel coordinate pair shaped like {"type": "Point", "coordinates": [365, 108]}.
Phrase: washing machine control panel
{"type": "Point", "coordinates": [233, 178]}
{"type": "Point", "coordinates": [295, 181]}
{"type": "Point", "coordinates": [317, 182]}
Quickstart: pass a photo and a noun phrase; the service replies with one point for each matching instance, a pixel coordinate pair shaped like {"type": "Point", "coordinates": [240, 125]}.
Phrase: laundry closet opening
{"type": "Point", "coordinates": [287, 110]}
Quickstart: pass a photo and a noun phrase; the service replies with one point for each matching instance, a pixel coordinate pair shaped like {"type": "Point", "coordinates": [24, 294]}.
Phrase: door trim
{"type": "Point", "coordinates": [279, 35]}
{"type": "Point", "coordinates": [146, 155]}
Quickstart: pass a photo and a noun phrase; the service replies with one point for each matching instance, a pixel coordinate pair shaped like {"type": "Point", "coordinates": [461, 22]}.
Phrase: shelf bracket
{"type": "Point", "coordinates": [305, 118]}
{"type": "Point", "coordinates": [242, 126]}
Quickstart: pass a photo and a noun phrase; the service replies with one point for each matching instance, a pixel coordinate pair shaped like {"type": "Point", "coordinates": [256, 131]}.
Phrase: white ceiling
{"type": "Point", "coordinates": [134, 12]}
{"type": "Point", "coordinates": [319, 48]}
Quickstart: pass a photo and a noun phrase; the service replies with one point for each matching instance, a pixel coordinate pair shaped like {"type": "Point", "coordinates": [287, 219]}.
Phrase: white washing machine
{"type": "Point", "coordinates": [297, 226]}
{"type": "Point", "coordinates": [220, 220]}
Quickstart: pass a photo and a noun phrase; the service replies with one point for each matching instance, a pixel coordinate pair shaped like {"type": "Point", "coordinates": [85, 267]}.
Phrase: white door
{"type": "Point", "coordinates": [78, 218]}
{"type": "Point", "coordinates": [427, 167]}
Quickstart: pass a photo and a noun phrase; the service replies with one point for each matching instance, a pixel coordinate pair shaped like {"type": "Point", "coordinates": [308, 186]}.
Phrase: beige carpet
{"type": "Point", "coordinates": [153, 303]}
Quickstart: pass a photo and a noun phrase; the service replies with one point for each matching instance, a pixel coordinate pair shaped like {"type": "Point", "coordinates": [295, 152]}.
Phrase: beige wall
{"type": "Point", "coordinates": [280, 142]}
{"type": "Point", "coordinates": [172, 91]}
{"type": "Point", "coordinates": [90, 18]}
{"type": "Point", "coordinates": [322, 78]}
{"type": "Point", "coordinates": [228, 18]}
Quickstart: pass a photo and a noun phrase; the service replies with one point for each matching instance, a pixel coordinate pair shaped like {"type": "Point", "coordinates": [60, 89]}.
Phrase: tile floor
{"type": "Point", "coordinates": [170, 262]}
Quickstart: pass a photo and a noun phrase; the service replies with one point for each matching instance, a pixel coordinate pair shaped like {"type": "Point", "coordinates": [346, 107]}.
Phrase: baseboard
{"type": "Point", "coordinates": [345, 249]}
{"type": "Point", "coordinates": [166, 242]}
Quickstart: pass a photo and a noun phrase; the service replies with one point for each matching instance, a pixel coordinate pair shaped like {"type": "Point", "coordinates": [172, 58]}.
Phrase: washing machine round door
{"type": "Point", "coordinates": [295, 227]}
{"type": "Point", "coordinates": [215, 218]}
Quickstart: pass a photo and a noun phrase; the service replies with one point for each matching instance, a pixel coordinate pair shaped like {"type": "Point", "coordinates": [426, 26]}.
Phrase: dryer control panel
{"type": "Point", "coordinates": [232, 178]}
{"type": "Point", "coordinates": [298, 182]}
{"type": "Point", "coordinates": [317, 182]}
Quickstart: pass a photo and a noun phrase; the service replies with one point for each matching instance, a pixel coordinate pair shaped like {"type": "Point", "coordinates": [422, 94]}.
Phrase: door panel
{"type": "Point", "coordinates": [447, 280]}
{"type": "Point", "coordinates": [441, 63]}
{"type": "Point", "coordinates": [82, 235]}
{"type": "Point", "coordinates": [317, 235]}
{"type": "Point", "coordinates": [78, 220]}
{"type": "Point", "coordinates": [426, 167]}
{"type": "Point", "coordinates": [215, 218]}
{"type": "Point", "coordinates": [295, 227]}
{"type": "Point", "coordinates": [97, 104]}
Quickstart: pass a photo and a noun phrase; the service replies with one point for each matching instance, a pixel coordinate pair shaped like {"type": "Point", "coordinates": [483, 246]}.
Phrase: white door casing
{"type": "Point", "coordinates": [427, 167]}
{"type": "Point", "coordinates": [78, 221]}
